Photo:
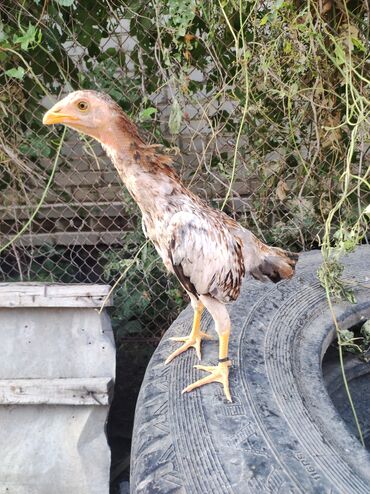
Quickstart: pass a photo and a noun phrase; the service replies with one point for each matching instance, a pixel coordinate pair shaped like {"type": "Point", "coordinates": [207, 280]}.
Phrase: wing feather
{"type": "Point", "coordinates": [206, 257]}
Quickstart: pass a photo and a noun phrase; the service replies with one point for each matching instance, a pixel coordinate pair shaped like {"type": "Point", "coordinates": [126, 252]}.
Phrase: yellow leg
{"type": "Point", "coordinates": [219, 373]}
{"type": "Point", "coordinates": [194, 338]}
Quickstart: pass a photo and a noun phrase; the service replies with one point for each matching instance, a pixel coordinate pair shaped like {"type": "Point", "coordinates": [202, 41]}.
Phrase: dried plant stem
{"type": "Point", "coordinates": [122, 275]}
{"type": "Point", "coordinates": [42, 199]}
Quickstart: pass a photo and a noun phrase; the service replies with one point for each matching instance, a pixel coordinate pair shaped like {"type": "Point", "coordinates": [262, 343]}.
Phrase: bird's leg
{"type": "Point", "coordinates": [196, 335]}
{"type": "Point", "coordinates": [220, 372]}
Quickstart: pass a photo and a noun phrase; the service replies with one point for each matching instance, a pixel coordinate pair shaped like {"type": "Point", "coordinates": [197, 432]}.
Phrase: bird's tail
{"type": "Point", "coordinates": [275, 264]}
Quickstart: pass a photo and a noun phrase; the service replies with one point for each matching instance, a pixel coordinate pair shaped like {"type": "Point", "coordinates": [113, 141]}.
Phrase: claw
{"type": "Point", "coordinates": [219, 373]}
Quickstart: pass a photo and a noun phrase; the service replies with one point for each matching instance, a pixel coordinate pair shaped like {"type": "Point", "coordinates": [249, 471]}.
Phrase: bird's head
{"type": "Point", "coordinates": [92, 113]}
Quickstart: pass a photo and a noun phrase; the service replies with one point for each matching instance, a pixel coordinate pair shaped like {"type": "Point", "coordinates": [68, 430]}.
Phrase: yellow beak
{"type": "Point", "coordinates": [52, 117]}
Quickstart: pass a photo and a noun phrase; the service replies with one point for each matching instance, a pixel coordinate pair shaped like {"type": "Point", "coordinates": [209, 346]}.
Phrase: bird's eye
{"type": "Point", "coordinates": [82, 105]}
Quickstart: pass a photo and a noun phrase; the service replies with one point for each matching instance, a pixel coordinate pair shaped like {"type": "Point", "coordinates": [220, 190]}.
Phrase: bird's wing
{"type": "Point", "coordinates": [206, 257]}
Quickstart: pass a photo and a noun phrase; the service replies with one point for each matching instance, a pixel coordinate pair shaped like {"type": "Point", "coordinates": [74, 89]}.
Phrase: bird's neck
{"type": "Point", "coordinates": [117, 142]}
{"type": "Point", "coordinates": [147, 174]}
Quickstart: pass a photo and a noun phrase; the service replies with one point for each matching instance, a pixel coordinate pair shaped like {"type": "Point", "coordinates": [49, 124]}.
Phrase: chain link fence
{"type": "Point", "coordinates": [251, 116]}
{"type": "Point", "coordinates": [263, 105]}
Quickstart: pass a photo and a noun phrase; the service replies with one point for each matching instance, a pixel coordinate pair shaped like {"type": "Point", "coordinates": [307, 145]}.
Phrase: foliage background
{"type": "Point", "coordinates": [263, 103]}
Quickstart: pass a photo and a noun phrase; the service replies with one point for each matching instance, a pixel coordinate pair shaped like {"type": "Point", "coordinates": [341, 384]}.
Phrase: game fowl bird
{"type": "Point", "coordinates": [208, 251]}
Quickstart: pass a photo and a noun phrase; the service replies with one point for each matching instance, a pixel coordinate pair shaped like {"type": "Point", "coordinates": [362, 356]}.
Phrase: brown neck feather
{"type": "Point", "coordinates": [128, 128]}
{"type": "Point", "coordinates": [150, 159]}
{"type": "Point", "coordinates": [124, 138]}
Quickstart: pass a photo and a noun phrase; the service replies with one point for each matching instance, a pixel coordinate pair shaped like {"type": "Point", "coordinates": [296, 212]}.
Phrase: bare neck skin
{"type": "Point", "coordinates": [117, 141]}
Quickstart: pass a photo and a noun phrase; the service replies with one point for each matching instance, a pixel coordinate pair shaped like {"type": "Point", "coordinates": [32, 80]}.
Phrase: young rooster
{"type": "Point", "coordinates": [209, 252]}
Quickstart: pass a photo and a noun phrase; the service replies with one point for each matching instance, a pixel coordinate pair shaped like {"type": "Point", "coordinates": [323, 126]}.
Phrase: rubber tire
{"type": "Point", "coordinates": [358, 378]}
{"type": "Point", "coordinates": [282, 434]}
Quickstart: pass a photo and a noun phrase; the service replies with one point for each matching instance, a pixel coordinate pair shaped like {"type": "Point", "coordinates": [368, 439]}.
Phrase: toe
{"type": "Point", "coordinates": [205, 336]}
{"type": "Point", "coordinates": [219, 374]}
{"type": "Point", "coordinates": [177, 352]}
{"type": "Point", "coordinates": [227, 391]}
{"type": "Point", "coordinates": [197, 350]}
{"type": "Point", "coordinates": [206, 368]}
{"type": "Point", "coordinates": [197, 384]}
{"type": "Point", "coordinates": [193, 340]}
{"type": "Point", "coordinates": [179, 338]}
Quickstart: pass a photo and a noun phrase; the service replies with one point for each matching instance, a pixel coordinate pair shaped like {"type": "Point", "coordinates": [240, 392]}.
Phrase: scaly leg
{"type": "Point", "coordinates": [219, 373]}
{"type": "Point", "coordinates": [196, 335]}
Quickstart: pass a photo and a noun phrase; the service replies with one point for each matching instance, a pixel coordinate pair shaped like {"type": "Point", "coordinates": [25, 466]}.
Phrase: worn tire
{"type": "Point", "coordinates": [282, 433]}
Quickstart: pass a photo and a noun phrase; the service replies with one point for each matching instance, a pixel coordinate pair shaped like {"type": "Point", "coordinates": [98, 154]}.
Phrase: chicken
{"type": "Point", "coordinates": [208, 251]}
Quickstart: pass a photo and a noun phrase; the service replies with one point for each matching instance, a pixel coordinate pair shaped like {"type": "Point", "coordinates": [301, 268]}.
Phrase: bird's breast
{"type": "Point", "coordinates": [156, 229]}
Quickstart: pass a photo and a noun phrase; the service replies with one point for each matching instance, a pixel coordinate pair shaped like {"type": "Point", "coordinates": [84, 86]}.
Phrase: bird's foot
{"type": "Point", "coordinates": [219, 373]}
{"type": "Point", "coordinates": [193, 340]}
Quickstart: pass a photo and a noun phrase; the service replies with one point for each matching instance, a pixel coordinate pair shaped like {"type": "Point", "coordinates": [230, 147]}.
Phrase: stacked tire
{"type": "Point", "coordinates": [282, 433]}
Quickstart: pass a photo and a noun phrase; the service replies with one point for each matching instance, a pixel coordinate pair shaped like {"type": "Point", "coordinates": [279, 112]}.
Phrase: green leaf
{"type": "Point", "coordinates": [264, 19]}
{"type": "Point", "coordinates": [346, 335]}
{"type": "Point", "coordinates": [174, 122]}
{"type": "Point", "coordinates": [278, 4]}
{"type": "Point", "coordinates": [181, 15]}
{"type": "Point", "coordinates": [349, 295]}
{"type": "Point", "coordinates": [3, 35]}
{"type": "Point", "coordinates": [358, 44]}
{"type": "Point", "coordinates": [365, 331]}
{"type": "Point", "coordinates": [29, 37]}
{"type": "Point", "coordinates": [287, 47]}
{"type": "Point", "coordinates": [65, 3]}
{"type": "Point", "coordinates": [112, 52]}
{"type": "Point", "coordinates": [17, 73]}
{"type": "Point", "coordinates": [147, 113]}
{"type": "Point", "coordinates": [340, 55]}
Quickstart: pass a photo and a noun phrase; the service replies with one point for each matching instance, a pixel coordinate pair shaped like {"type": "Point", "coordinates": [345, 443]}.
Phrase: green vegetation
{"type": "Point", "coordinates": [285, 82]}
{"type": "Point", "coordinates": [279, 89]}
{"type": "Point", "coordinates": [144, 299]}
